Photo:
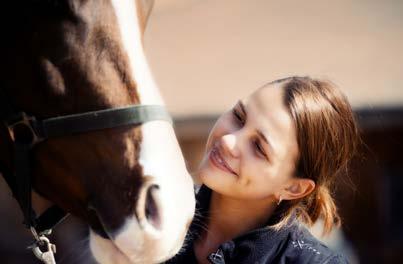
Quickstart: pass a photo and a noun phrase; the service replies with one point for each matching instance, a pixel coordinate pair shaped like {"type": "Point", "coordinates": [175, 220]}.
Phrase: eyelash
{"type": "Point", "coordinates": [255, 144]}
{"type": "Point", "coordinates": [238, 117]}
{"type": "Point", "coordinates": [259, 148]}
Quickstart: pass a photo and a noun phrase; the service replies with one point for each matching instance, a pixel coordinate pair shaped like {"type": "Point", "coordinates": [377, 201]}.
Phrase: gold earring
{"type": "Point", "coordinates": [279, 200]}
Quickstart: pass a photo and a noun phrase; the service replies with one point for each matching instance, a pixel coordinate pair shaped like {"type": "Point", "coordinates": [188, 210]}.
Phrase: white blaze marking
{"type": "Point", "coordinates": [126, 11]}
{"type": "Point", "coordinates": [160, 157]}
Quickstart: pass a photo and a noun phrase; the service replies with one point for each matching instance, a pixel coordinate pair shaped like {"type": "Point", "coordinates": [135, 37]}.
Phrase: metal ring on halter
{"type": "Point", "coordinates": [37, 251]}
{"type": "Point", "coordinates": [46, 256]}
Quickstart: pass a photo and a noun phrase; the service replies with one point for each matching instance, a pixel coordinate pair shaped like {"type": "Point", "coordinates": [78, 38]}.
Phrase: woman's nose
{"type": "Point", "coordinates": [229, 145]}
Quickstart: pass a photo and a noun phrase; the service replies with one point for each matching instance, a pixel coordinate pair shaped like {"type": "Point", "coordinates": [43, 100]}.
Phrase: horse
{"type": "Point", "coordinates": [76, 64]}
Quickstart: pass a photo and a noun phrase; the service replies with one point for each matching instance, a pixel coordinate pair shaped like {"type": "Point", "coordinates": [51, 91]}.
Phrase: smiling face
{"type": "Point", "coordinates": [252, 150]}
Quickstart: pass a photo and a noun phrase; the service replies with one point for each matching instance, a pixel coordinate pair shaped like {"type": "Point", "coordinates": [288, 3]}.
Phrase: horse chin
{"type": "Point", "coordinates": [105, 251]}
{"type": "Point", "coordinates": [136, 250]}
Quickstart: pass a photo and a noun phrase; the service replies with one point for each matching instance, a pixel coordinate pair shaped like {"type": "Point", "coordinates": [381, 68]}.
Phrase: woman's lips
{"type": "Point", "coordinates": [216, 158]}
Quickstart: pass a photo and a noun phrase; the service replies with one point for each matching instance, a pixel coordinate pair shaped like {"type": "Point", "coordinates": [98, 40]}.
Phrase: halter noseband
{"type": "Point", "coordinates": [26, 131]}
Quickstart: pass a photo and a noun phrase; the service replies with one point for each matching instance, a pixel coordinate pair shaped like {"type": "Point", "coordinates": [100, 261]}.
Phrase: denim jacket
{"type": "Point", "coordinates": [291, 244]}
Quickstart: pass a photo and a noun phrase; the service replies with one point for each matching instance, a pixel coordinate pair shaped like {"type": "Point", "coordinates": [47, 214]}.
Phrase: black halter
{"type": "Point", "coordinates": [26, 131]}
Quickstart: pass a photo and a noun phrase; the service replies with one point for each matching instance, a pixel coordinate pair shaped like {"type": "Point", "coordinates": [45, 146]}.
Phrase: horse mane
{"type": "Point", "coordinates": [18, 11]}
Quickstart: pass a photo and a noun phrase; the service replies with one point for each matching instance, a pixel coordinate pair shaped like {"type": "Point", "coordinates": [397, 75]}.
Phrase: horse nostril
{"type": "Point", "coordinates": [152, 213]}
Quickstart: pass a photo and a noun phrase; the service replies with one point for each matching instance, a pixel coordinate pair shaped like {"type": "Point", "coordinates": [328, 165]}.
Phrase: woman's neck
{"type": "Point", "coordinates": [229, 218]}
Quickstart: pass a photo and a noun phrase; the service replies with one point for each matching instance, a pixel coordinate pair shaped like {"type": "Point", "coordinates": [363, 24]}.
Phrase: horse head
{"type": "Point", "coordinates": [129, 183]}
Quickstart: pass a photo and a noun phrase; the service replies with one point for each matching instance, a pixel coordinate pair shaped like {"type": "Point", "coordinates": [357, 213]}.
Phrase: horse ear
{"type": "Point", "coordinates": [145, 7]}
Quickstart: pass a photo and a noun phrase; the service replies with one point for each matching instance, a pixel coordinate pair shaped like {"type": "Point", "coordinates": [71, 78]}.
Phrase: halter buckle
{"type": "Point", "coordinates": [21, 129]}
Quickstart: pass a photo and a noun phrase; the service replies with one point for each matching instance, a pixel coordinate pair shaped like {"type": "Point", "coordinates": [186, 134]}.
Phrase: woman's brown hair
{"type": "Point", "coordinates": [327, 137]}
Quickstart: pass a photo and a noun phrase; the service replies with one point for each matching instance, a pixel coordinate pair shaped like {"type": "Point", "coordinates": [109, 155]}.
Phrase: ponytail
{"type": "Point", "coordinates": [321, 205]}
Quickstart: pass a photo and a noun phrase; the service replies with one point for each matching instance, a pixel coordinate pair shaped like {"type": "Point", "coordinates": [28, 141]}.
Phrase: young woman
{"type": "Point", "coordinates": [268, 170]}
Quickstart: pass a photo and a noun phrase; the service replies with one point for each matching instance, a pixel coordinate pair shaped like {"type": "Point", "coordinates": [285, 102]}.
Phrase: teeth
{"type": "Point", "coordinates": [219, 158]}
{"type": "Point", "coordinates": [221, 161]}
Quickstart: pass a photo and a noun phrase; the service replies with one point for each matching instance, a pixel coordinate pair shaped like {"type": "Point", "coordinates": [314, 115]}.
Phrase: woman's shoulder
{"type": "Point", "coordinates": [302, 247]}
{"type": "Point", "coordinates": [293, 244]}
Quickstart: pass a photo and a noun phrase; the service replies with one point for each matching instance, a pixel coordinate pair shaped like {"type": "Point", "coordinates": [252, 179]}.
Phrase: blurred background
{"type": "Point", "coordinates": [207, 54]}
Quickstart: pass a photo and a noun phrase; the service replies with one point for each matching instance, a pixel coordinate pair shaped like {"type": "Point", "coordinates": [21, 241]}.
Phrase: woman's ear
{"type": "Point", "coordinates": [298, 188]}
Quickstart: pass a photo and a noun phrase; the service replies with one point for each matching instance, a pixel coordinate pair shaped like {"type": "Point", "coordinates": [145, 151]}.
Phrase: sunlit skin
{"type": "Point", "coordinates": [257, 141]}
